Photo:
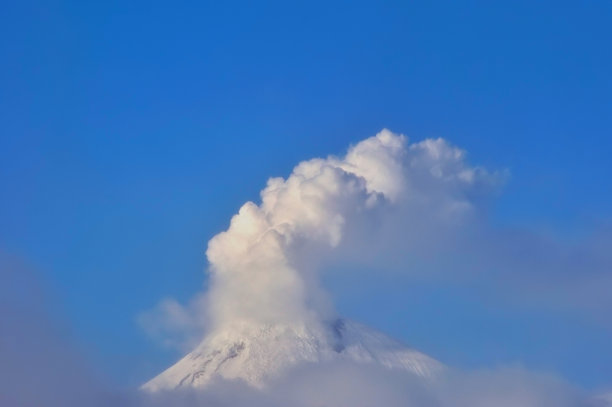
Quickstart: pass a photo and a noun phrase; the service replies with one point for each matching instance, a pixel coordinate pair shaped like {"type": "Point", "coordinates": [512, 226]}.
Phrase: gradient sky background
{"type": "Point", "coordinates": [130, 133]}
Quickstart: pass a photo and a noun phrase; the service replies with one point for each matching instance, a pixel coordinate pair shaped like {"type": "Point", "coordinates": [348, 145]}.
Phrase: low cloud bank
{"type": "Point", "coordinates": [42, 367]}
{"type": "Point", "coordinates": [349, 384]}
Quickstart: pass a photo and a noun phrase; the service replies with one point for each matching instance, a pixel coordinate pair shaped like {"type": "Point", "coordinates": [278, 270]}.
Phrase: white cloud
{"type": "Point", "coordinates": [257, 268]}
{"type": "Point", "coordinates": [344, 384]}
{"type": "Point", "coordinates": [175, 325]}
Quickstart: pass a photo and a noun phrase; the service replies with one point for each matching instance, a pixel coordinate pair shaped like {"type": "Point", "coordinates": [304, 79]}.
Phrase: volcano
{"type": "Point", "coordinates": [257, 354]}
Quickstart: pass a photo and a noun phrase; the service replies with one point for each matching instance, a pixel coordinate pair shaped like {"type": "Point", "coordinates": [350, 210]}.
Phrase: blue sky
{"type": "Point", "coordinates": [130, 134]}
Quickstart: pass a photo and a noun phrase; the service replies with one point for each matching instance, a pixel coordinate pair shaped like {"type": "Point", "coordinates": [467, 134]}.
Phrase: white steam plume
{"type": "Point", "coordinates": [255, 272]}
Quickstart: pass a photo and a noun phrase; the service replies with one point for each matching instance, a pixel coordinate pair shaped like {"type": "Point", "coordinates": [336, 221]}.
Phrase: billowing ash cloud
{"type": "Point", "coordinates": [257, 266]}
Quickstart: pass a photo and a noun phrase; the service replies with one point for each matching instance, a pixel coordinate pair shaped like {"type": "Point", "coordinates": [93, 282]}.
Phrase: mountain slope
{"type": "Point", "coordinates": [256, 353]}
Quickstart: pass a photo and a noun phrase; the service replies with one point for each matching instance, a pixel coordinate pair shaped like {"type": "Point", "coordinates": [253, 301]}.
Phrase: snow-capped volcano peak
{"type": "Point", "coordinates": [259, 353]}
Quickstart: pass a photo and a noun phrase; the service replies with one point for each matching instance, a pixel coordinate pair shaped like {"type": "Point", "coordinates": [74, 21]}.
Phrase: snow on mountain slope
{"type": "Point", "coordinates": [258, 353]}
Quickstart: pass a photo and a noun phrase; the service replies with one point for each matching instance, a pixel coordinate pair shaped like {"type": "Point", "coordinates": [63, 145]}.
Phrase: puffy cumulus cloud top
{"type": "Point", "coordinates": [254, 275]}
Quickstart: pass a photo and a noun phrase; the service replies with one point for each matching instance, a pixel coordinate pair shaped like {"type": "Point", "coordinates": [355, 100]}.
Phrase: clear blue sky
{"type": "Point", "coordinates": [131, 132]}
